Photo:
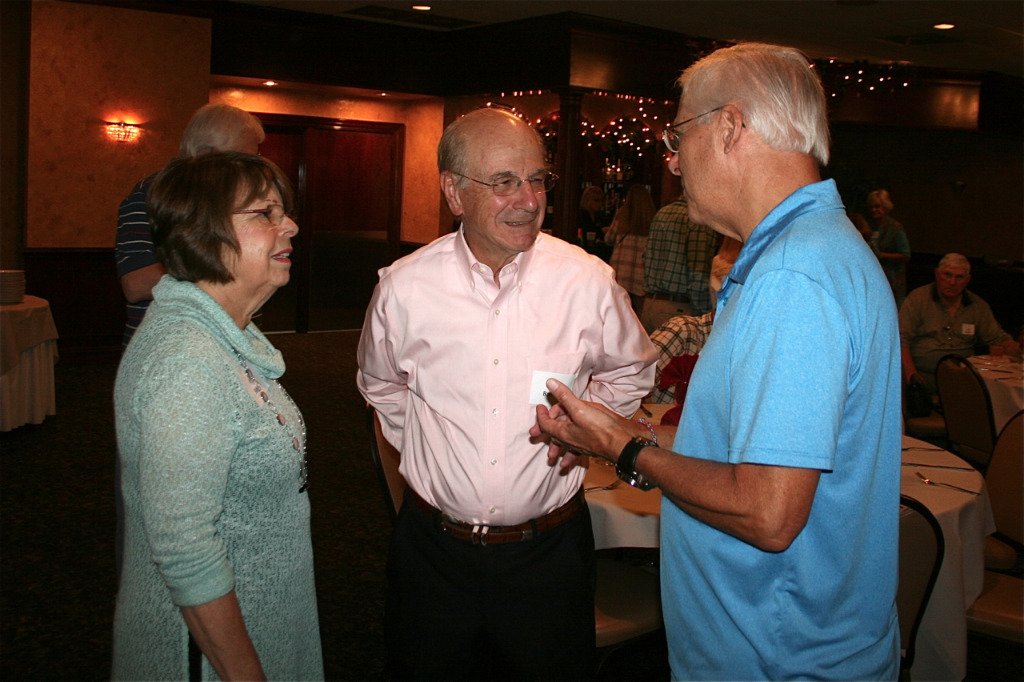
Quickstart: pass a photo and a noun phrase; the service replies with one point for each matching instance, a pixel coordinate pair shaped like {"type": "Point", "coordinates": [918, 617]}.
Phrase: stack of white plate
{"type": "Point", "coordinates": [12, 287]}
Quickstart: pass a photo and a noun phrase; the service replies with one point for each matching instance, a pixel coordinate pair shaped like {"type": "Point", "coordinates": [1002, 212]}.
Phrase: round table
{"type": "Point", "coordinates": [28, 349]}
{"type": "Point", "coordinates": [627, 517]}
{"type": "Point", "coordinates": [1004, 380]}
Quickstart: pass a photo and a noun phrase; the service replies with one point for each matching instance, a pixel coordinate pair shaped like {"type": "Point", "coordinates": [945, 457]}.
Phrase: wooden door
{"type": "Point", "coordinates": [347, 180]}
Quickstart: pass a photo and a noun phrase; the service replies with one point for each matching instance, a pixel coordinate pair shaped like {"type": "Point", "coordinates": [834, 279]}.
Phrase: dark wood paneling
{"type": "Point", "coordinates": [85, 298]}
{"type": "Point", "coordinates": [348, 180]}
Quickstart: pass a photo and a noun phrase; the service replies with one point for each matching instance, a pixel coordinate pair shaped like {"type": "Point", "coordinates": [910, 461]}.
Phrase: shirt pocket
{"type": "Point", "coordinates": [566, 367]}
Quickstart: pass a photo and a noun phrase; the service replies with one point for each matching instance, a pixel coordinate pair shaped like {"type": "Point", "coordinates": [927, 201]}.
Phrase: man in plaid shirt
{"type": "Point", "coordinates": [677, 265]}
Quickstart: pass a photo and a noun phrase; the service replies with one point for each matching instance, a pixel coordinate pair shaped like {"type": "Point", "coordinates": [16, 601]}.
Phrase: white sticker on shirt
{"type": "Point", "coordinates": [539, 393]}
{"type": "Point", "coordinates": [967, 329]}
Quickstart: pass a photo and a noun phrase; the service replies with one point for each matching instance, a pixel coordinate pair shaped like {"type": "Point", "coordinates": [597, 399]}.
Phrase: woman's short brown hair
{"type": "Point", "coordinates": [190, 205]}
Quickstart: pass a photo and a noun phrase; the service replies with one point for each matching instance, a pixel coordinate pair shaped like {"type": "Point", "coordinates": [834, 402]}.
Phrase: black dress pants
{"type": "Point", "coordinates": [516, 611]}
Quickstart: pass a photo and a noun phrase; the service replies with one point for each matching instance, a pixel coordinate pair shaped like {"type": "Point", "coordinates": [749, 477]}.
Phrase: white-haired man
{"type": "Point", "coordinates": [214, 127]}
{"type": "Point", "coordinates": [779, 525]}
{"type": "Point", "coordinates": [943, 318]}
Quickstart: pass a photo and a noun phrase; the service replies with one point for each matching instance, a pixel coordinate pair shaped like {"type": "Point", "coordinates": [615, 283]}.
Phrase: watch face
{"type": "Point", "coordinates": [640, 481]}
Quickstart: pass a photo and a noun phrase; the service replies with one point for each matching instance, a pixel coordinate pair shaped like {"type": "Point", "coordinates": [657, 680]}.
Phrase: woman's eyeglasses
{"type": "Point", "coordinates": [274, 213]}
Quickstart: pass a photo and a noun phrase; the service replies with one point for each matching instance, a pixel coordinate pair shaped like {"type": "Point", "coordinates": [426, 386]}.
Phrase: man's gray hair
{"type": "Point", "coordinates": [955, 260]}
{"type": "Point", "coordinates": [775, 87]}
{"type": "Point", "coordinates": [218, 127]}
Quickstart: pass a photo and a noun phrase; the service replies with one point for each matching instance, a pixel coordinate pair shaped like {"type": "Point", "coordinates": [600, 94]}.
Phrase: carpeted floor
{"type": "Point", "coordinates": [57, 520]}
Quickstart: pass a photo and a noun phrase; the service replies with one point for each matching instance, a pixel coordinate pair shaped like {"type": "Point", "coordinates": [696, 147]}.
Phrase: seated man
{"type": "Point", "coordinates": [944, 318]}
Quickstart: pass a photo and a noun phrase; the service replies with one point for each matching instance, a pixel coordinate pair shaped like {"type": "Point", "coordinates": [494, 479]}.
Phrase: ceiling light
{"type": "Point", "coordinates": [270, 84]}
{"type": "Point", "coordinates": [421, 8]}
{"type": "Point", "coordinates": [944, 27]}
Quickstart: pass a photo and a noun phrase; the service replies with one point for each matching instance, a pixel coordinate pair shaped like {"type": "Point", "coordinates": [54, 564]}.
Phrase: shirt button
{"type": "Point", "coordinates": [493, 510]}
{"type": "Point", "coordinates": [497, 312]}
{"type": "Point", "coordinates": [494, 411]}
{"type": "Point", "coordinates": [495, 361]}
{"type": "Point", "coordinates": [494, 462]}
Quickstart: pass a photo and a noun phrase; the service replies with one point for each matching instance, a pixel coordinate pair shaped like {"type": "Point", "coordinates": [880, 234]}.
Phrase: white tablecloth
{"type": "Point", "coordinates": [627, 517]}
{"type": "Point", "coordinates": [28, 349]}
{"type": "Point", "coordinates": [1005, 382]}
{"type": "Point", "coordinates": [966, 520]}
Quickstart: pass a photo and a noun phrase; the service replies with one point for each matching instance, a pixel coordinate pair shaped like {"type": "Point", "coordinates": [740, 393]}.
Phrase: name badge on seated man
{"type": "Point", "coordinates": [967, 329]}
{"type": "Point", "coordinates": [539, 393]}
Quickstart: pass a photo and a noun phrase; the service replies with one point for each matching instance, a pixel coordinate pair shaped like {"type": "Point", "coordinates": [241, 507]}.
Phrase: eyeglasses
{"type": "Point", "coordinates": [671, 138]}
{"type": "Point", "coordinates": [274, 213]}
{"type": "Point", "coordinates": [510, 185]}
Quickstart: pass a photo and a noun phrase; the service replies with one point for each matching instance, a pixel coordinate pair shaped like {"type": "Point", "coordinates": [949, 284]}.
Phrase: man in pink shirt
{"type": "Point", "coordinates": [458, 342]}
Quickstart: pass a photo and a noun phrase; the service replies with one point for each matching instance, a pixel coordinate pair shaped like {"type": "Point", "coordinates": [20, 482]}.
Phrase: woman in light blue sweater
{"type": "Point", "coordinates": [217, 579]}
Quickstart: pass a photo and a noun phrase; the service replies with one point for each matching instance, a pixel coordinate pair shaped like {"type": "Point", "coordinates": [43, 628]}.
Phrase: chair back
{"type": "Point", "coordinates": [922, 547]}
{"type": "Point", "coordinates": [386, 459]}
{"type": "Point", "coordinates": [1005, 479]}
{"type": "Point", "coordinates": [968, 410]}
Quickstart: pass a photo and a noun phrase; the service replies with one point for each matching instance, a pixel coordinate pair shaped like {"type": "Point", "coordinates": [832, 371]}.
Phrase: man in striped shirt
{"type": "Point", "coordinates": [213, 128]}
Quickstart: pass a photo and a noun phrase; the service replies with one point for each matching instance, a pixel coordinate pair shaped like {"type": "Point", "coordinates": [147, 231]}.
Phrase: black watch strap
{"type": "Point", "coordinates": [626, 466]}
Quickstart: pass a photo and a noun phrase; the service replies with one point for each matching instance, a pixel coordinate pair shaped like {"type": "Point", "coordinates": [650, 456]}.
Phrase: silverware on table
{"type": "Point", "coordinates": [596, 488]}
{"type": "Point", "coordinates": [938, 466]}
{"type": "Point", "coordinates": [928, 481]}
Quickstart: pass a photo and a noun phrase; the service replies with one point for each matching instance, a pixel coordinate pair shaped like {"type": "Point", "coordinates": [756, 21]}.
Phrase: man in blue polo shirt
{"type": "Point", "coordinates": [779, 528]}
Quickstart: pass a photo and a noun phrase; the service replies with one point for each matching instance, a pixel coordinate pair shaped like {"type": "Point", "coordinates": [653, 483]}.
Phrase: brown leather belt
{"type": "Point", "coordinates": [497, 535]}
{"type": "Point", "coordinates": [669, 297]}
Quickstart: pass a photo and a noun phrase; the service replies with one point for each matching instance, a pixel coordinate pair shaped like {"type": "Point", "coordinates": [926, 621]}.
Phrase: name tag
{"type": "Point", "coordinates": [967, 329]}
{"type": "Point", "coordinates": [539, 393]}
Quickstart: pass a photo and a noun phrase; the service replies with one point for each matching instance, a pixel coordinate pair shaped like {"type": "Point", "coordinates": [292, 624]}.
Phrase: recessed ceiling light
{"type": "Point", "coordinates": [944, 27]}
{"type": "Point", "coordinates": [421, 8]}
{"type": "Point", "coordinates": [270, 84]}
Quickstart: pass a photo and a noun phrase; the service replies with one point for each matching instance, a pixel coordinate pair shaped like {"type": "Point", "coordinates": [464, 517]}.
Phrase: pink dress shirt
{"type": "Point", "coordinates": [447, 359]}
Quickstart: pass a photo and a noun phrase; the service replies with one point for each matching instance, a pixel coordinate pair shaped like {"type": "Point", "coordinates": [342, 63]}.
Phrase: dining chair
{"type": "Point", "coordinates": [921, 549]}
{"type": "Point", "coordinates": [998, 611]}
{"type": "Point", "coordinates": [1005, 482]}
{"type": "Point", "coordinates": [967, 408]}
{"type": "Point", "coordinates": [930, 427]}
{"type": "Point", "coordinates": [386, 459]}
{"type": "Point", "coordinates": [627, 605]}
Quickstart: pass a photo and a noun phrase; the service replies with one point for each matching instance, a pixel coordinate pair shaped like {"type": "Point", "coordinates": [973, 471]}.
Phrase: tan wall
{"type": "Point", "coordinates": [91, 64]}
{"type": "Point", "coordinates": [423, 125]}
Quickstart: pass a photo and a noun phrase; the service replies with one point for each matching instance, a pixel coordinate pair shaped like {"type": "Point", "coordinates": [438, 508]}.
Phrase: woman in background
{"type": "Point", "coordinates": [889, 242]}
{"type": "Point", "coordinates": [590, 219]}
{"type": "Point", "coordinates": [218, 566]}
{"type": "Point", "coordinates": [628, 237]}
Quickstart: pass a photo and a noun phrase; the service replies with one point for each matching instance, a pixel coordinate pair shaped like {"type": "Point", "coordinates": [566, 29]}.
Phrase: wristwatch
{"type": "Point", "coordinates": [626, 466]}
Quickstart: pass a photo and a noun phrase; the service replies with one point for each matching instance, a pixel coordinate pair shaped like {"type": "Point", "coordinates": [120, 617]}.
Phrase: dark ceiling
{"type": "Point", "coordinates": [987, 37]}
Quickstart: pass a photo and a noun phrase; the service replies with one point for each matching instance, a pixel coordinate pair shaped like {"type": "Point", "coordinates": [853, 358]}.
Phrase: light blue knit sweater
{"type": "Point", "coordinates": [210, 481]}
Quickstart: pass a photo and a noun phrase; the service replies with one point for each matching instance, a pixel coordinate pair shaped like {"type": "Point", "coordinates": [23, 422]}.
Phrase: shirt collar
{"type": "Point", "coordinates": [470, 264]}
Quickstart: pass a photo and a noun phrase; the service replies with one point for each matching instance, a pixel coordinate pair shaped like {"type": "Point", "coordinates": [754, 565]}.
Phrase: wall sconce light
{"type": "Point", "coordinates": [123, 132]}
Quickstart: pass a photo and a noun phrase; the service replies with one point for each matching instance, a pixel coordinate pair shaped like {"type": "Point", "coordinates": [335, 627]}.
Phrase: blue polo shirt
{"type": "Point", "coordinates": [802, 369]}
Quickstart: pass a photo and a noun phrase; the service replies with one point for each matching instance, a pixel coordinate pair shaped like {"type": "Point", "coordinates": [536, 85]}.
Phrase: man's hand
{"type": "Point", "coordinates": [581, 427]}
{"type": "Point", "coordinates": [557, 453]}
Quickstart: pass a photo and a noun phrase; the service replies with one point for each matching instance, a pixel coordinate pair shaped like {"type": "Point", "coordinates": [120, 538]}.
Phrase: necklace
{"type": "Point", "coordinates": [299, 443]}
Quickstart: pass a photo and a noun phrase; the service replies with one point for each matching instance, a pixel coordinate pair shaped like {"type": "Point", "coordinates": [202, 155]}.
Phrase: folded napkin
{"type": "Point", "coordinates": [677, 373]}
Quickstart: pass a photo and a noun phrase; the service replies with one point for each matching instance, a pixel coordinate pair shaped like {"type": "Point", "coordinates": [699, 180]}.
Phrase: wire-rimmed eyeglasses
{"type": "Point", "coordinates": [274, 213]}
{"type": "Point", "coordinates": [510, 185]}
{"type": "Point", "coordinates": [671, 138]}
